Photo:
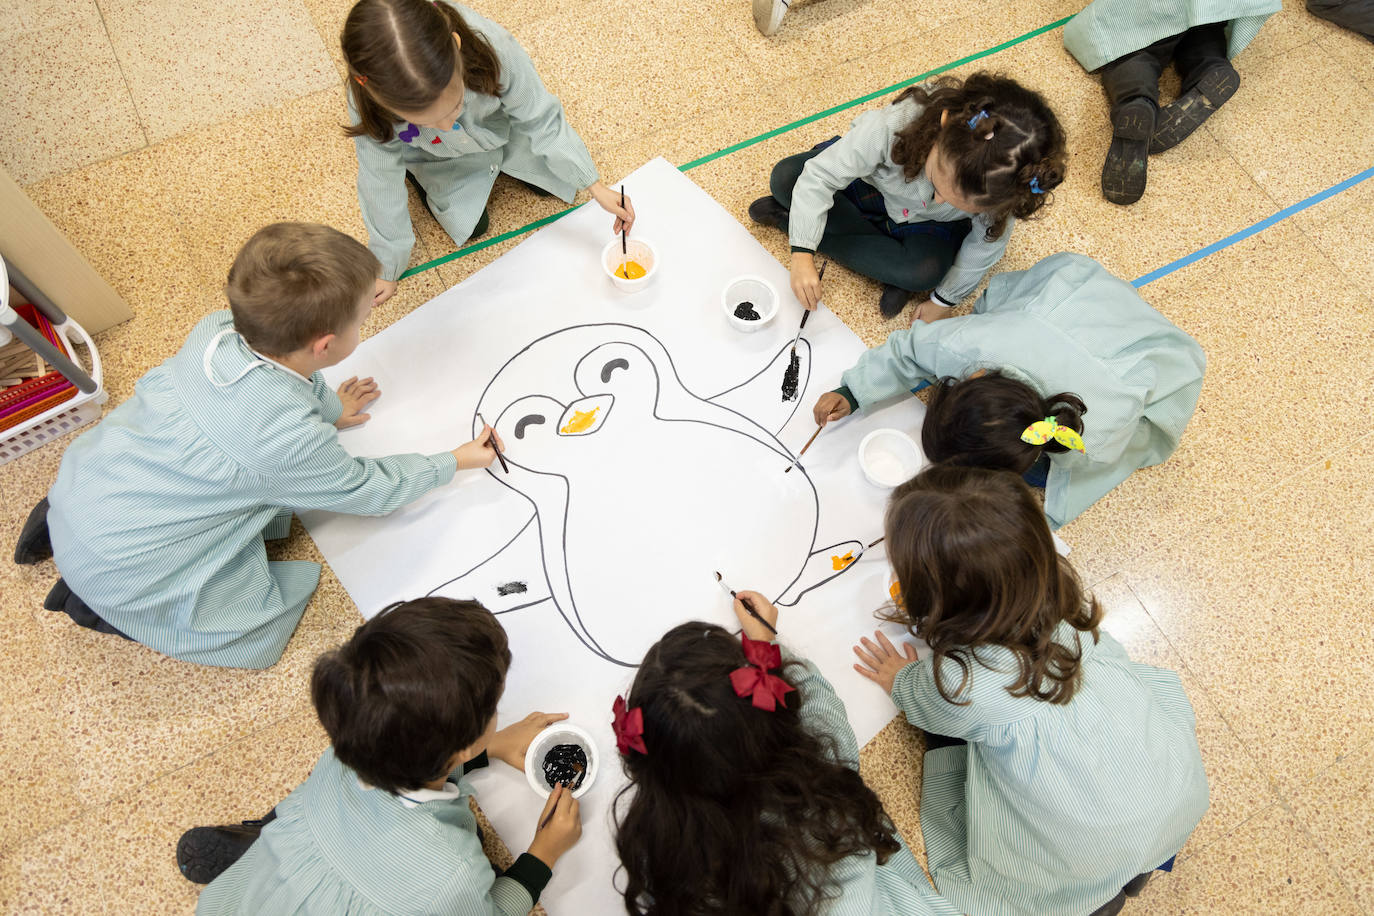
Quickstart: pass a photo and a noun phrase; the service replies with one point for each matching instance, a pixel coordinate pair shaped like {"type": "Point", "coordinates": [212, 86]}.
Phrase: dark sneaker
{"type": "Point", "coordinates": [1124, 172]}
{"type": "Point", "coordinates": [33, 545]}
{"type": "Point", "coordinates": [893, 300]}
{"type": "Point", "coordinates": [1136, 885]}
{"type": "Point", "coordinates": [1186, 113]}
{"type": "Point", "coordinates": [205, 853]}
{"type": "Point", "coordinates": [768, 15]}
{"type": "Point", "coordinates": [766, 211]}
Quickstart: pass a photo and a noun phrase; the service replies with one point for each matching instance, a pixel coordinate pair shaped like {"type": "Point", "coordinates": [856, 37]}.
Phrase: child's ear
{"type": "Point", "coordinates": [457, 40]}
{"type": "Point", "coordinates": [944, 117]}
{"type": "Point", "coordinates": [320, 347]}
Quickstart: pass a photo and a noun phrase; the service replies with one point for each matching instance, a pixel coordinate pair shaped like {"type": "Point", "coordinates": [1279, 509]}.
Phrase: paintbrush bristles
{"type": "Point", "coordinates": [804, 448]}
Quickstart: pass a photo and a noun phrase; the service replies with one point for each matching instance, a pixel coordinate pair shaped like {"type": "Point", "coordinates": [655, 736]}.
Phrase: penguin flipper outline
{"type": "Point", "coordinates": [759, 397]}
{"type": "Point", "coordinates": [819, 569]}
{"type": "Point", "coordinates": [493, 581]}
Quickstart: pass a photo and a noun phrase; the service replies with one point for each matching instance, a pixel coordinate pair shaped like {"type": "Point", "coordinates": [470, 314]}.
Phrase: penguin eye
{"type": "Point", "coordinates": [527, 420]}
{"type": "Point", "coordinates": [610, 367]}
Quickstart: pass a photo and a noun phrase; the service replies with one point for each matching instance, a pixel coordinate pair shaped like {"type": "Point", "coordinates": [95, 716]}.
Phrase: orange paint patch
{"type": "Point", "coordinates": [630, 270]}
{"type": "Point", "coordinates": [895, 591]}
{"type": "Point", "coordinates": [842, 562]}
{"type": "Point", "coordinates": [581, 421]}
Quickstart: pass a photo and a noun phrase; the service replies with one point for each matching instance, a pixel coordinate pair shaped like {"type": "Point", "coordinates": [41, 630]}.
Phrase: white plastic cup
{"type": "Point", "coordinates": [753, 289]}
{"type": "Point", "coordinates": [555, 734]}
{"type": "Point", "coordinates": [889, 457]}
{"type": "Point", "coordinates": [639, 250]}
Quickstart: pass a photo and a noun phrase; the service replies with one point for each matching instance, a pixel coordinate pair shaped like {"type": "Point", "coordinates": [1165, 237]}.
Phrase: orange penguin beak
{"type": "Point", "coordinates": [585, 416]}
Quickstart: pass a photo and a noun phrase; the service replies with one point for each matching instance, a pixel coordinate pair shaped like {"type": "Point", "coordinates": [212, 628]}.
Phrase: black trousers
{"type": "Point", "coordinates": [1193, 53]}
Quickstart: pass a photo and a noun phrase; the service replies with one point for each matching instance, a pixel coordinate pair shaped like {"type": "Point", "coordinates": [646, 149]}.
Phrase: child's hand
{"type": "Point", "coordinates": [478, 453]}
{"type": "Point", "coordinates": [562, 830]}
{"type": "Point", "coordinates": [882, 661]}
{"type": "Point", "coordinates": [511, 743]}
{"type": "Point", "coordinates": [609, 200]}
{"type": "Point", "coordinates": [830, 406]}
{"type": "Point", "coordinates": [806, 282]}
{"type": "Point", "coordinates": [385, 290]}
{"type": "Point", "coordinates": [356, 394]}
{"type": "Point", "coordinates": [764, 608]}
{"type": "Point", "coordinates": [928, 311]}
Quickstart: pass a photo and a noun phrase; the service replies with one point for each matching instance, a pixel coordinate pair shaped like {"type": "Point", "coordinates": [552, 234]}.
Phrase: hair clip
{"type": "Point", "coordinates": [767, 690]}
{"type": "Point", "coordinates": [360, 80]}
{"type": "Point", "coordinates": [629, 727]}
{"type": "Point", "coordinates": [980, 116]}
{"type": "Point", "coordinates": [1042, 431]}
{"type": "Point", "coordinates": [1035, 186]}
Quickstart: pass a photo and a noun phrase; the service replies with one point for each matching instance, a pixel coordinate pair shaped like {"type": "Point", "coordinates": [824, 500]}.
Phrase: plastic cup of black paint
{"type": "Point", "coordinates": [758, 294]}
{"type": "Point", "coordinates": [557, 735]}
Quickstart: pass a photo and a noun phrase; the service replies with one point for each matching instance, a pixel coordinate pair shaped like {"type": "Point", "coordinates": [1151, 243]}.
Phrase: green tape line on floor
{"type": "Point", "coordinates": [745, 144]}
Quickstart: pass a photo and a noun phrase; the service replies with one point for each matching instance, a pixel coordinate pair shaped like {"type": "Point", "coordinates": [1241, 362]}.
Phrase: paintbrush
{"type": "Point", "coordinates": [877, 542]}
{"type": "Point", "coordinates": [747, 606]}
{"type": "Point", "coordinates": [791, 379]}
{"type": "Point", "coordinates": [545, 822]}
{"type": "Point", "coordinates": [804, 448]}
{"type": "Point", "coordinates": [491, 440]}
{"type": "Point", "coordinates": [624, 239]}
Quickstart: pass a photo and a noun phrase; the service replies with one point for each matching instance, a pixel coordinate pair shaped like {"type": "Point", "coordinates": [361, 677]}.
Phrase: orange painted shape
{"type": "Point", "coordinates": [842, 562]}
{"type": "Point", "coordinates": [581, 421]}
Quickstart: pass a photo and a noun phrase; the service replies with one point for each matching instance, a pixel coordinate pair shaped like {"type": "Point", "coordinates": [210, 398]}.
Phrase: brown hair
{"type": "Point", "coordinates": [292, 283]}
{"type": "Point", "coordinates": [978, 421]}
{"type": "Point", "coordinates": [1026, 143]}
{"type": "Point", "coordinates": [977, 567]}
{"type": "Point", "coordinates": [734, 809]}
{"type": "Point", "coordinates": [415, 685]}
{"type": "Point", "coordinates": [400, 56]}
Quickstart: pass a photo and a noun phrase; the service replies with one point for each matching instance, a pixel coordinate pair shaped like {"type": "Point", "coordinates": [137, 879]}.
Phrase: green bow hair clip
{"type": "Point", "coordinates": [1042, 431]}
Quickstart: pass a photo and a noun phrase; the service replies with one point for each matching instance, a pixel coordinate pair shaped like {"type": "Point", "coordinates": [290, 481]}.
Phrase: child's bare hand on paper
{"type": "Point", "coordinates": [478, 453]}
{"type": "Point", "coordinates": [830, 406]}
{"type": "Point", "coordinates": [512, 742]}
{"type": "Point", "coordinates": [806, 280]}
{"type": "Point", "coordinates": [881, 660]}
{"type": "Point", "coordinates": [356, 394]}
{"type": "Point", "coordinates": [384, 290]}
{"type": "Point", "coordinates": [763, 607]}
{"type": "Point", "coordinates": [560, 826]}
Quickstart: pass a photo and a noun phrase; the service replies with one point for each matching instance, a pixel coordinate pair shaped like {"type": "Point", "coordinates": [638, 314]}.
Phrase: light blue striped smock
{"type": "Point", "coordinates": [159, 513]}
{"type": "Point", "coordinates": [521, 131]}
{"type": "Point", "coordinates": [1065, 324]}
{"type": "Point", "coordinates": [1050, 809]}
{"type": "Point", "coordinates": [337, 847]}
{"type": "Point", "coordinates": [1109, 29]}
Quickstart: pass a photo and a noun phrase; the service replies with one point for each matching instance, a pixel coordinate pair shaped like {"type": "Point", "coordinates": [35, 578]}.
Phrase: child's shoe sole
{"type": "Point", "coordinates": [1126, 167]}
{"type": "Point", "coordinates": [205, 853]}
{"type": "Point", "coordinates": [1185, 114]}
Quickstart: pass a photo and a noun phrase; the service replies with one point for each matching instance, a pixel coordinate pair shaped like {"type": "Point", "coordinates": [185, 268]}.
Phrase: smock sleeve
{"type": "Point", "coordinates": [855, 155]}
{"type": "Point", "coordinates": [382, 199]}
{"type": "Point", "coordinates": [976, 257]}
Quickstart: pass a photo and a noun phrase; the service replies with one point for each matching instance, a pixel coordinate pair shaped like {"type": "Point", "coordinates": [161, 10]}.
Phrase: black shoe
{"type": "Point", "coordinates": [1136, 885]}
{"type": "Point", "coordinates": [205, 853]}
{"type": "Point", "coordinates": [766, 211]}
{"type": "Point", "coordinates": [893, 300]}
{"type": "Point", "coordinates": [483, 223]}
{"type": "Point", "coordinates": [1111, 907]}
{"type": "Point", "coordinates": [419, 189]}
{"type": "Point", "coordinates": [63, 600]}
{"type": "Point", "coordinates": [33, 545]}
{"type": "Point", "coordinates": [1186, 113]}
{"type": "Point", "coordinates": [533, 187]}
{"type": "Point", "coordinates": [1123, 174]}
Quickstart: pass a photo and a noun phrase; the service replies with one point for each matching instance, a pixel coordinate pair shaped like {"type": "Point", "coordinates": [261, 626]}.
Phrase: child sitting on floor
{"type": "Point", "coordinates": [382, 825]}
{"type": "Point", "coordinates": [159, 514]}
{"type": "Point", "coordinates": [745, 794]}
{"type": "Point", "coordinates": [1058, 773]}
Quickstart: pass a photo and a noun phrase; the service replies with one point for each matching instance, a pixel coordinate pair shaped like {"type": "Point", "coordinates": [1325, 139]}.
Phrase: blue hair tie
{"type": "Point", "coordinates": [980, 116]}
{"type": "Point", "coordinates": [1035, 186]}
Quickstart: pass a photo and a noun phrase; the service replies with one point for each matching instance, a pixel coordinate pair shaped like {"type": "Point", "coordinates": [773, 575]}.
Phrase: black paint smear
{"type": "Point", "coordinates": [745, 311]}
{"type": "Point", "coordinates": [565, 763]}
{"type": "Point", "coordinates": [511, 588]}
{"type": "Point", "coordinates": [791, 377]}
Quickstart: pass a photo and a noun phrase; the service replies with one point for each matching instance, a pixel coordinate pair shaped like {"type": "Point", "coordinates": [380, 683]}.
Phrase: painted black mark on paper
{"type": "Point", "coordinates": [511, 588]}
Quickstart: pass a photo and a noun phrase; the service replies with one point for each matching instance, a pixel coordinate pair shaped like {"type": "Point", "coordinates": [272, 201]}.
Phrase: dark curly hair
{"type": "Point", "coordinates": [995, 160]}
{"type": "Point", "coordinates": [977, 567]}
{"type": "Point", "coordinates": [734, 809]}
{"type": "Point", "coordinates": [978, 421]}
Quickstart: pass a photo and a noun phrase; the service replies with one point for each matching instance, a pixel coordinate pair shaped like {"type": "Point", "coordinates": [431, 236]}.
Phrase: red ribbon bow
{"type": "Point", "coordinates": [629, 727]}
{"type": "Point", "coordinates": [768, 690]}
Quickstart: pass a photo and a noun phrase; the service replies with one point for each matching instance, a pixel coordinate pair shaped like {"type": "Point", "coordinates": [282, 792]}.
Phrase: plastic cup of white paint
{"type": "Point", "coordinates": [889, 457]}
{"type": "Point", "coordinates": [639, 250]}
{"type": "Point", "coordinates": [556, 734]}
{"type": "Point", "coordinates": [755, 290]}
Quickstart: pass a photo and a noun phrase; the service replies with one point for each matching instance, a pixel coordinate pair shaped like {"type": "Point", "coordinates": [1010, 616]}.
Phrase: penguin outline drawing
{"type": "Point", "coordinates": [641, 489]}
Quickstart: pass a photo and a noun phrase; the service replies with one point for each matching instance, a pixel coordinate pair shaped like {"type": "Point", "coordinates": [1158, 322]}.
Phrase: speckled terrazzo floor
{"type": "Point", "coordinates": [158, 135]}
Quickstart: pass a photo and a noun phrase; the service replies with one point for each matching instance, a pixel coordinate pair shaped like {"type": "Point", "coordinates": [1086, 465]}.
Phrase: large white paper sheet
{"type": "Point", "coordinates": [614, 532]}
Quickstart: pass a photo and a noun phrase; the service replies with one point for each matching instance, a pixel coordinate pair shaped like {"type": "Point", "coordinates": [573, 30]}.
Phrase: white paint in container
{"type": "Point", "coordinates": [889, 457]}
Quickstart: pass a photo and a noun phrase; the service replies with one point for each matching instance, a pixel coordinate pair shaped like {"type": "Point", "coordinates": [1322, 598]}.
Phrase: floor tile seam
{"type": "Point", "coordinates": [1301, 825]}
{"type": "Point", "coordinates": [1264, 807]}
{"type": "Point", "coordinates": [124, 78]}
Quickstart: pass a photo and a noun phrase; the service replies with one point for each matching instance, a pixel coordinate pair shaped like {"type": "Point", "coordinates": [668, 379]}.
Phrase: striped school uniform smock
{"type": "Point", "coordinates": [339, 846]}
{"type": "Point", "coordinates": [1106, 30]}
{"type": "Point", "coordinates": [865, 152]}
{"type": "Point", "coordinates": [1049, 809]}
{"type": "Point", "coordinates": [159, 513]}
{"type": "Point", "coordinates": [898, 887]}
{"type": "Point", "coordinates": [522, 132]}
{"type": "Point", "coordinates": [1065, 324]}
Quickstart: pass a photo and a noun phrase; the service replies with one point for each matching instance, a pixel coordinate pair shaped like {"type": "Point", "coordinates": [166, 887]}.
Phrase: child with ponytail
{"type": "Point", "coordinates": [744, 792]}
{"type": "Point", "coordinates": [920, 195]}
{"type": "Point", "coordinates": [1058, 773]}
{"type": "Point", "coordinates": [447, 99]}
{"type": "Point", "coordinates": [1127, 381]}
